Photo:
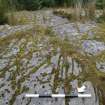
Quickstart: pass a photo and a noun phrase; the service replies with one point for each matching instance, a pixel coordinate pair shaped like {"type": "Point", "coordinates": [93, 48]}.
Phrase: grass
{"type": "Point", "coordinates": [71, 14]}
{"type": "Point", "coordinates": [89, 70]}
{"type": "Point", "coordinates": [80, 14]}
{"type": "Point", "coordinates": [68, 50]}
{"type": "Point", "coordinates": [21, 18]}
{"type": "Point", "coordinates": [65, 13]}
{"type": "Point", "coordinates": [88, 63]}
{"type": "Point", "coordinates": [100, 33]}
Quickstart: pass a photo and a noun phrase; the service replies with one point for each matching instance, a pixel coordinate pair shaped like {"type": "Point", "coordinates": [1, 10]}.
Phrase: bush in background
{"type": "Point", "coordinates": [3, 18]}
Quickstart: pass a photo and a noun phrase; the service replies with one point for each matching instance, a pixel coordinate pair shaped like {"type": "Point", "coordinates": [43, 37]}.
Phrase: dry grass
{"type": "Point", "coordinates": [21, 18]}
{"type": "Point", "coordinates": [88, 64]}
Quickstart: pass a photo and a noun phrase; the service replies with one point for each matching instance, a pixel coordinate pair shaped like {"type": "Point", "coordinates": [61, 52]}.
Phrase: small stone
{"type": "Point", "coordinates": [15, 50]}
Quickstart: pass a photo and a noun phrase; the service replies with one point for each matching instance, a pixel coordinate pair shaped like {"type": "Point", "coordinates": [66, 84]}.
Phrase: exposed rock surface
{"type": "Point", "coordinates": [101, 66]}
{"type": "Point", "coordinates": [29, 68]}
{"type": "Point", "coordinates": [6, 30]}
{"type": "Point", "coordinates": [88, 101]}
{"type": "Point", "coordinates": [93, 47]}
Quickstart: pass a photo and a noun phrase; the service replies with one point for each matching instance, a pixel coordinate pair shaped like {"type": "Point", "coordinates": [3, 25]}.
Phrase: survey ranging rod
{"type": "Point", "coordinates": [79, 94]}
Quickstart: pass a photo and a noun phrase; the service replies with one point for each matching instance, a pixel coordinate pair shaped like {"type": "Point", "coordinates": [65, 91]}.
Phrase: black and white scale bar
{"type": "Point", "coordinates": [58, 96]}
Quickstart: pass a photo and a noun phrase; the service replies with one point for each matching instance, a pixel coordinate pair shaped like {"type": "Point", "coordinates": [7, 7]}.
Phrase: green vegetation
{"type": "Point", "coordinates": [71, 9]}
{"type": "Point", "coordinates": [3, 18]}
{"type": "Point", "coordinates": [79, 5]}
{"type": "Point", "coordinates": [89, 73]}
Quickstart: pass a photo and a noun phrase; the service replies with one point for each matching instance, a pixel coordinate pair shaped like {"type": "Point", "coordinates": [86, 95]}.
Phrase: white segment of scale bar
{"type": "Point", "coordinates": [32, 95]}
{"type": "Point", "coordinates": [84, 95]}
{"type": "Point", "coordinates": [58, 95]}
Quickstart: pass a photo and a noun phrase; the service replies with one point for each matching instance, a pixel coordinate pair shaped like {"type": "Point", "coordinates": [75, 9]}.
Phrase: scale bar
{"type": "Point", "coordinates": [58, 96]}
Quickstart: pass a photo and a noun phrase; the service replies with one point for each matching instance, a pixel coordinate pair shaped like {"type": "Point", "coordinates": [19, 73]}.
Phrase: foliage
{"type": "Point", "coordinates": [100, 4]}
{"type": "Point", "coordinates": [37, 4]}
{"type": "Point", "coordinates": [5, 6]}
{"type": "Point", "coordinates": [2, 12]}
{"type": "Point", "coordinates": [12, 5]}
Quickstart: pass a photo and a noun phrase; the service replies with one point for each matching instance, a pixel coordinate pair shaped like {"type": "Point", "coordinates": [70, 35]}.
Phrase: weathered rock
{"type": "Point", "coordinates": [15, 50]}
{"type": "Point", "coordinates": [3, 63]}
{"type": "Point", "coordinates": [9, 30]}
{"type": "Point", "coordinates": [100, 66]}
{"type": "Point", "coordinates": [39, 78]}
{"type": "Point", "coordinates": [86, 101]}
{"type": "Point", "coordinates": [74, 67]}
{"type": "Point", "coordinates": [54, 60]}
{"type": "Point", "coordinates": [88, 26]}
{"type": "Point", "coordinates": [93, 47]}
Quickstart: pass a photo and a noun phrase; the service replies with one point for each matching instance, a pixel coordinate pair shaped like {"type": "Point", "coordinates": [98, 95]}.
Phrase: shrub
{"type": "Point", "coordinates": [3, 18]}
